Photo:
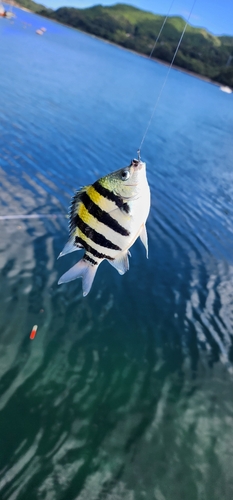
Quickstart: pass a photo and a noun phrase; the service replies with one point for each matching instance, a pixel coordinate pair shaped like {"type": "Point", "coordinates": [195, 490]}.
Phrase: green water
{"type": "Point", "coordinates": [126, 394]}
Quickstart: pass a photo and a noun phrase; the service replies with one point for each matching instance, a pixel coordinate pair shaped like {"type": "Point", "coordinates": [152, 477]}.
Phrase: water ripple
{"type": "Point", "coordinates": [127, 392]}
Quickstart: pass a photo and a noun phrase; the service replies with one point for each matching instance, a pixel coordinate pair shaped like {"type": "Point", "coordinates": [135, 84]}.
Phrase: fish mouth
{"type": "Point", "coordinates": [137, 164]}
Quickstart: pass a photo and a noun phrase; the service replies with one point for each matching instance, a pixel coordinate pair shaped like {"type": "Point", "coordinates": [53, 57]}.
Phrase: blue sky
{"type": "Point", "coordinates": [214, 15]}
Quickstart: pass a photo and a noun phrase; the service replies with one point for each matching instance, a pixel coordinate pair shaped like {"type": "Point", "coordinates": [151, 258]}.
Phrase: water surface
{"type": "Point", "coordinates": [126, 394]}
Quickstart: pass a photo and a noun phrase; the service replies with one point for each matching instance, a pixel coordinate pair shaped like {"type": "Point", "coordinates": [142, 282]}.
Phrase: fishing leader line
{"type": "Point", "coordinates": [167, 75]}
{"type": "Point", "coordinates": [161, 29]}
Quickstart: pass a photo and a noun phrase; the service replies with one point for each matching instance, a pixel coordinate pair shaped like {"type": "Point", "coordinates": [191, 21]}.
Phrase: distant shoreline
{"type": "Point", "coordinates": [160, 61]}
{"type": "Point", "coordinates": [12, 3]}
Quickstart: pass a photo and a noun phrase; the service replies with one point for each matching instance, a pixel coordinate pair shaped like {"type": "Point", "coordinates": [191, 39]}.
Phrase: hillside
{"type": "Point", "coordinates": [135, 29]}
{"type": "Point", "coordinates": [27, 4]}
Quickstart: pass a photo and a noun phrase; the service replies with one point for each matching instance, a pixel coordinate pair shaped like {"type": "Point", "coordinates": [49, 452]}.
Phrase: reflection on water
{"type": "Point", "coordinates": [125, 394]}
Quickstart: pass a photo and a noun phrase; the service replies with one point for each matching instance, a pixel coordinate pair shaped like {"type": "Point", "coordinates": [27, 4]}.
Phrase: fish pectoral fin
{"type": "Point", "coordinates": [82, 270]}
{"type": "Point", "coordinates": [121, 263]}
{"type": "Point", "coordinates": [144, 239]}
{"type": "Point", "coordinates": [69, 247]}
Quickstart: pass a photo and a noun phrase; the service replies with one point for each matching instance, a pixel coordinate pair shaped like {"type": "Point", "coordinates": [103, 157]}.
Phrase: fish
{"type": "Point", "coordinates": [105, 220]}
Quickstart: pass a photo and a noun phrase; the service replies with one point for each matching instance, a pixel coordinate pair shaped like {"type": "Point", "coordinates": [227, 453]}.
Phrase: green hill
{"type": "Point", "coordinates": [27, 4]}
{"type": "Point", "coordinates": [135, 29]}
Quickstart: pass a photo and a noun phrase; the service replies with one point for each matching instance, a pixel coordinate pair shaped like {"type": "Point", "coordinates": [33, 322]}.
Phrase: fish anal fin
{"type": "Point", "coordinates": [121, 263]}
{"type": "Point", "coordinates": [83, 270]}
{"type": "Point", "coordinates": [144, 238]}
{"type": "Point", "coordinates": [69, 247]}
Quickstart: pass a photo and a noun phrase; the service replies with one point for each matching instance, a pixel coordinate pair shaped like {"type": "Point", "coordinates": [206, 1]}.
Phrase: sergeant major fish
{"type": "Point", "coordinates": [106, 218]}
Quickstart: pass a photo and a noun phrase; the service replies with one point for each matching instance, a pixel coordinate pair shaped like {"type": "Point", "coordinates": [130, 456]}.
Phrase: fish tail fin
{"type": "Point", "coordinates": [83, 270]}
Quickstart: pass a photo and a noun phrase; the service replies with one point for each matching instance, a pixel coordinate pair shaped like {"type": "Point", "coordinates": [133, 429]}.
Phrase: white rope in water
{"type": "Point", "coordinates": [31, 216]}
{"type": "Point", "coordinates": [166, 77]}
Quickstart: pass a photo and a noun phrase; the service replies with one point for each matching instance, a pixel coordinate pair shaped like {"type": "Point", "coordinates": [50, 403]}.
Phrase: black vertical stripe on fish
{"type": "Point", "coordinates": [106, 193]}
{"type": "Point", "coordinates": [92, 250]}
{"type": "Point", "coordinates": [103, 216]}
{"type": "Point", "coordinates": [73, 207]}
{"type": "Point", "coordinates": [89, 259]}
{"type": "Point", "coordinates": [93, 235]}
{"type": "Point", "coordinates": [126, 208]}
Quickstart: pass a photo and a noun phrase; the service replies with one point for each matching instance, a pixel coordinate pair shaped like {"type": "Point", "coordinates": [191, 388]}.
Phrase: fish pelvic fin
{"type": "Point", "coordinates": [144, 238]}
{"type": "Point", "coordinates": [121, 262]}
{"type": "Point", "coordinates": [83, 270]}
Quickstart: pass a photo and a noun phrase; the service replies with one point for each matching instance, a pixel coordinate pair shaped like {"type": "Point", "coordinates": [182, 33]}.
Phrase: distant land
{"type": "Point", "coordinates": [200, 52]}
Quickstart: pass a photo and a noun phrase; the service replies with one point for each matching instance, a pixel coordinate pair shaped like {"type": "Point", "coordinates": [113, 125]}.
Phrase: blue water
{"type": "Point", "coordinates": [126, 394]}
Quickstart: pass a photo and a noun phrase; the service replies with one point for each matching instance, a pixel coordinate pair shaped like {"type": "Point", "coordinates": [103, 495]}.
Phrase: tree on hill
{"type": "Point", "coordinates": [135, 29]}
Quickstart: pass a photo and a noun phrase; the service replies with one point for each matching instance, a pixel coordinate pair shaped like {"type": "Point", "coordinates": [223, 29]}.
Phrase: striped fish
{"type": "Point", "coordinates": [105, 220]}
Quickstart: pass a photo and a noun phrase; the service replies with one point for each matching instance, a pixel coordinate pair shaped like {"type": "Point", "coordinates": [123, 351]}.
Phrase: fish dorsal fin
{"type": "Point", "coordinates": [121, 263]}
{"type": "Point", "coordinates": [144, 239]}
{"type": "Point", "coordinates": [69, 247]}
{"type": "Point", "coordinates": [75, 202]}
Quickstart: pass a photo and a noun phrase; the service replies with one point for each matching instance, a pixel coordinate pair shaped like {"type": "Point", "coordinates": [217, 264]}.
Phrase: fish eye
{"type": "Point", "coordinates": [125, 175]}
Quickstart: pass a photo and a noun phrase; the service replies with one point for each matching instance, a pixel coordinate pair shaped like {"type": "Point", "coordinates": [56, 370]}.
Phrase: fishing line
{"type": "Point", "coordinates": [161, 29]}
{"type": "Point", "coordinates": [165, 80]}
